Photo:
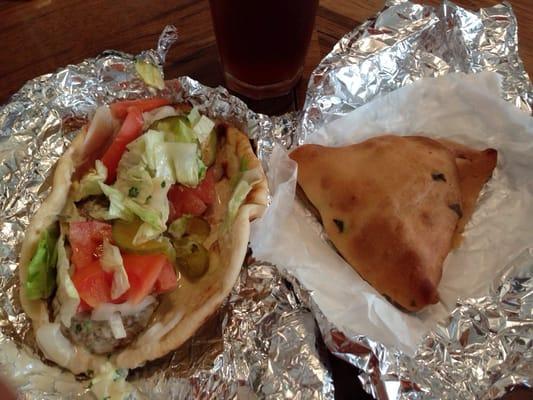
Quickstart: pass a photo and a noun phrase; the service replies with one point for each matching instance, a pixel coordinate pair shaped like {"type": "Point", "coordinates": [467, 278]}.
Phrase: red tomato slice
{"type": "Point", "coordinates": [93, 285]}
{"type": "Point", "coordinates": [167, 279]}
{"type": "Point", "coordinates": [86, 239]}
{"type": "Point", "coordinates": [84, 307]}
{"type": "Point", "coordinates": [120, 108]}
{"type": "Point", "coordinates": [143, 271]}
{"type": "Point", "coordinates": [186, 200]}
{"type": "Point", "coordinates": [130, 130]}
{"type": "Point", "coordinates": [205, 191]}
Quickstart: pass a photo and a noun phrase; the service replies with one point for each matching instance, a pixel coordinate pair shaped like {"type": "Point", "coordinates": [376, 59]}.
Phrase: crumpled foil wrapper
{"type": "Point", "coordinates": [406, 42]}
{"type": "Point", "coordinates": [264, 343]}
{"type": "Point", "coordinates": [485, 349]}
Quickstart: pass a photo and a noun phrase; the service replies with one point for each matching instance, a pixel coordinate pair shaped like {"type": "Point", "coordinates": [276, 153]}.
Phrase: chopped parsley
{"type": "Point", "coordinates": [163, 184]}
{"type": "Point", "coordinates": [438, 176]}
{"type": "Point", "coordinates": [457, 209]}
{"type": "Point", "coordinates": [340, 224]}
{"type": "Point", "coordinates": [87, 325]}
{"type": "Point", "coordinates": [133, 192]}
{"type": "Point", "coordinates": [119, 374]}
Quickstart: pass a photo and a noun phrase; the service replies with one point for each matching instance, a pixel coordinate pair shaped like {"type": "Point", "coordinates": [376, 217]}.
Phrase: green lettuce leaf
{"type": "Point", "coordinates": [41, 278]}
{"type": "Point", "coordinates": [158, 202]}
{"type": "Point", "coordinates": [194, 116]}
{"type": "Point", "coordinates": [89, 185]}
{"type": "Point", "coordinates": [248, 178]}
{"type": "Point", "coordinates": [237, 198]}
{"type": "Point", "coordinates": [188, 168]}
{"type": "Point", "coordinates": [117, 206]}
{"type": "Point", "coordinates": [203, 128]}
{"type": "Point", "coordinates": [157, 157]}
{"type": "Point", "coordinates": [135, 183]}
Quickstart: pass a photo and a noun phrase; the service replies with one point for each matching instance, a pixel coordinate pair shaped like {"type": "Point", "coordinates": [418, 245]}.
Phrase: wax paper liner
{"type": "Point", "coordinates": [484, 349]}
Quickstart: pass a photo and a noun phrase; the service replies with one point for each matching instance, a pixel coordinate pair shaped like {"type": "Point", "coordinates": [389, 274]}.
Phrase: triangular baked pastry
{"type": "Point", "coordinates": [391, 206]}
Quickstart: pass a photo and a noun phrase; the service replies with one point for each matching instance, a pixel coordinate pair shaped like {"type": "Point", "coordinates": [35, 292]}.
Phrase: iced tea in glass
{"type": "Point", "coordinates": [263, 43]}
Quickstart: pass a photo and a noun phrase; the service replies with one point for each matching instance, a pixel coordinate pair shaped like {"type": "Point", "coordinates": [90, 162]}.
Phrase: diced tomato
{"type": "Point", "coordinates": [205, 191]}
{"type": "Point", "coordinates": [167, 279]}
{"type": "Point", "coordinates": [120, 108]}
{"type": "Point", "coordinates": [93, 284]}
{"type": "Point", "coordinates": [143, 271]}
{"type": "Point", "coordinates": [185, 200]}
{"type": "Point", "coordinates": [84, 307]}
{"type": "Point", "coordinates": [86, 239]}
{"type": "Point", "coordinates": [130, 130]}
{"type": "Point", "coordinates": [147, 273]}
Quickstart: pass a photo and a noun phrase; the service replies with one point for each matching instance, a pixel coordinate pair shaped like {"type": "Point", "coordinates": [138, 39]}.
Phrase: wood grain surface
{"type": "Point", "coordinates": [37, 37]}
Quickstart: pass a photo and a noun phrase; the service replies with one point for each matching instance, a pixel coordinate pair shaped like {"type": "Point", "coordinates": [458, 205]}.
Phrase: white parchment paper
{"type": "Point", "coordinates": [464, 108]}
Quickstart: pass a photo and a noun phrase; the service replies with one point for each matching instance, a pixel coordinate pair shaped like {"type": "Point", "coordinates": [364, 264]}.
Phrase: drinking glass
{"type": "Point", "coordinates": [263, 43]}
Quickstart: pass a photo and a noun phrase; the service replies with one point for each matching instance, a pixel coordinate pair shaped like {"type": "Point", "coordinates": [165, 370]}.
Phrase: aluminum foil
{"type": "Point", "coordinates": [408, 41]}
{"type": "Point", "coordinates": [486, 347]}
{"type": "Point", "coordinates": [263, 343]}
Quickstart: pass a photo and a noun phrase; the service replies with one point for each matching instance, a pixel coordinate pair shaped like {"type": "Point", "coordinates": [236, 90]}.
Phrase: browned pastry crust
{"type": "Point", "coordinates": [391, 206]}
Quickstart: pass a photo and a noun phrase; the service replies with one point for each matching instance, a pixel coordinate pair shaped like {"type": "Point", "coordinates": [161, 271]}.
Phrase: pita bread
{"type": "Point", "coordinates": [177, 317]}
{"type": "Point", "coordinates": [475, 169]}
{"type": "Point", "coordinates": [390, 205]}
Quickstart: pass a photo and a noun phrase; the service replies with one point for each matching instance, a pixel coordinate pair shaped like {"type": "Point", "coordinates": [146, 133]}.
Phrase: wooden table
{"type": "Point", "coordinates": [40, 36]}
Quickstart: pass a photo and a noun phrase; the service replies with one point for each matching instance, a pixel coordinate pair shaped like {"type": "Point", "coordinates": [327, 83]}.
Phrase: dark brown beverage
{"type": "Point", "coordinates": [263, 43]}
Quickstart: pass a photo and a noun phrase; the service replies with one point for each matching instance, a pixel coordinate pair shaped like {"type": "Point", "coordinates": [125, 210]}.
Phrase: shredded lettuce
{"type": "Point", "coordinates": [157, 157]}
{"type": "Point", "coordinates": [159, 203]}
{"type": "Point", "coordinates": [67, 294]}
{"type": "Point", "coordinates": [200, 124]}
{"type": "Point", "coordinates": [41, 278]}
{"type": "Point", "coordinates": [111, 261]}
{"type": "Point", "coordinates": [176, 129]}
{"type": "Point", "coordinates": [117, 206]}
{"type": "Point", "coordinates": [144, 212]}
{"type": "Point", "coordinates": [152, 140]}
{"type": "Point", "coordinates": [150, 166]}
{"type": "Point", "coordinates": [194, 116]}
{"type": "Point", "coordinates": [183, 133]}
{"type": "Point", "coordinates": [248, 179]}
{"type": "Point", "coordinates": [237, 198]}
{"type": "Point", "coordinates": [135, 182]}
{"type": "Point", "coordinates": [152, 116]}
{"type": "Point", "coordinates": [203, 128]}
{"type": "Point", "coordinates": [89, 185]}
{"type": "Point", "coordinates": [188, 168]}
{"type": "Point", "coordinates": [150, 74]}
